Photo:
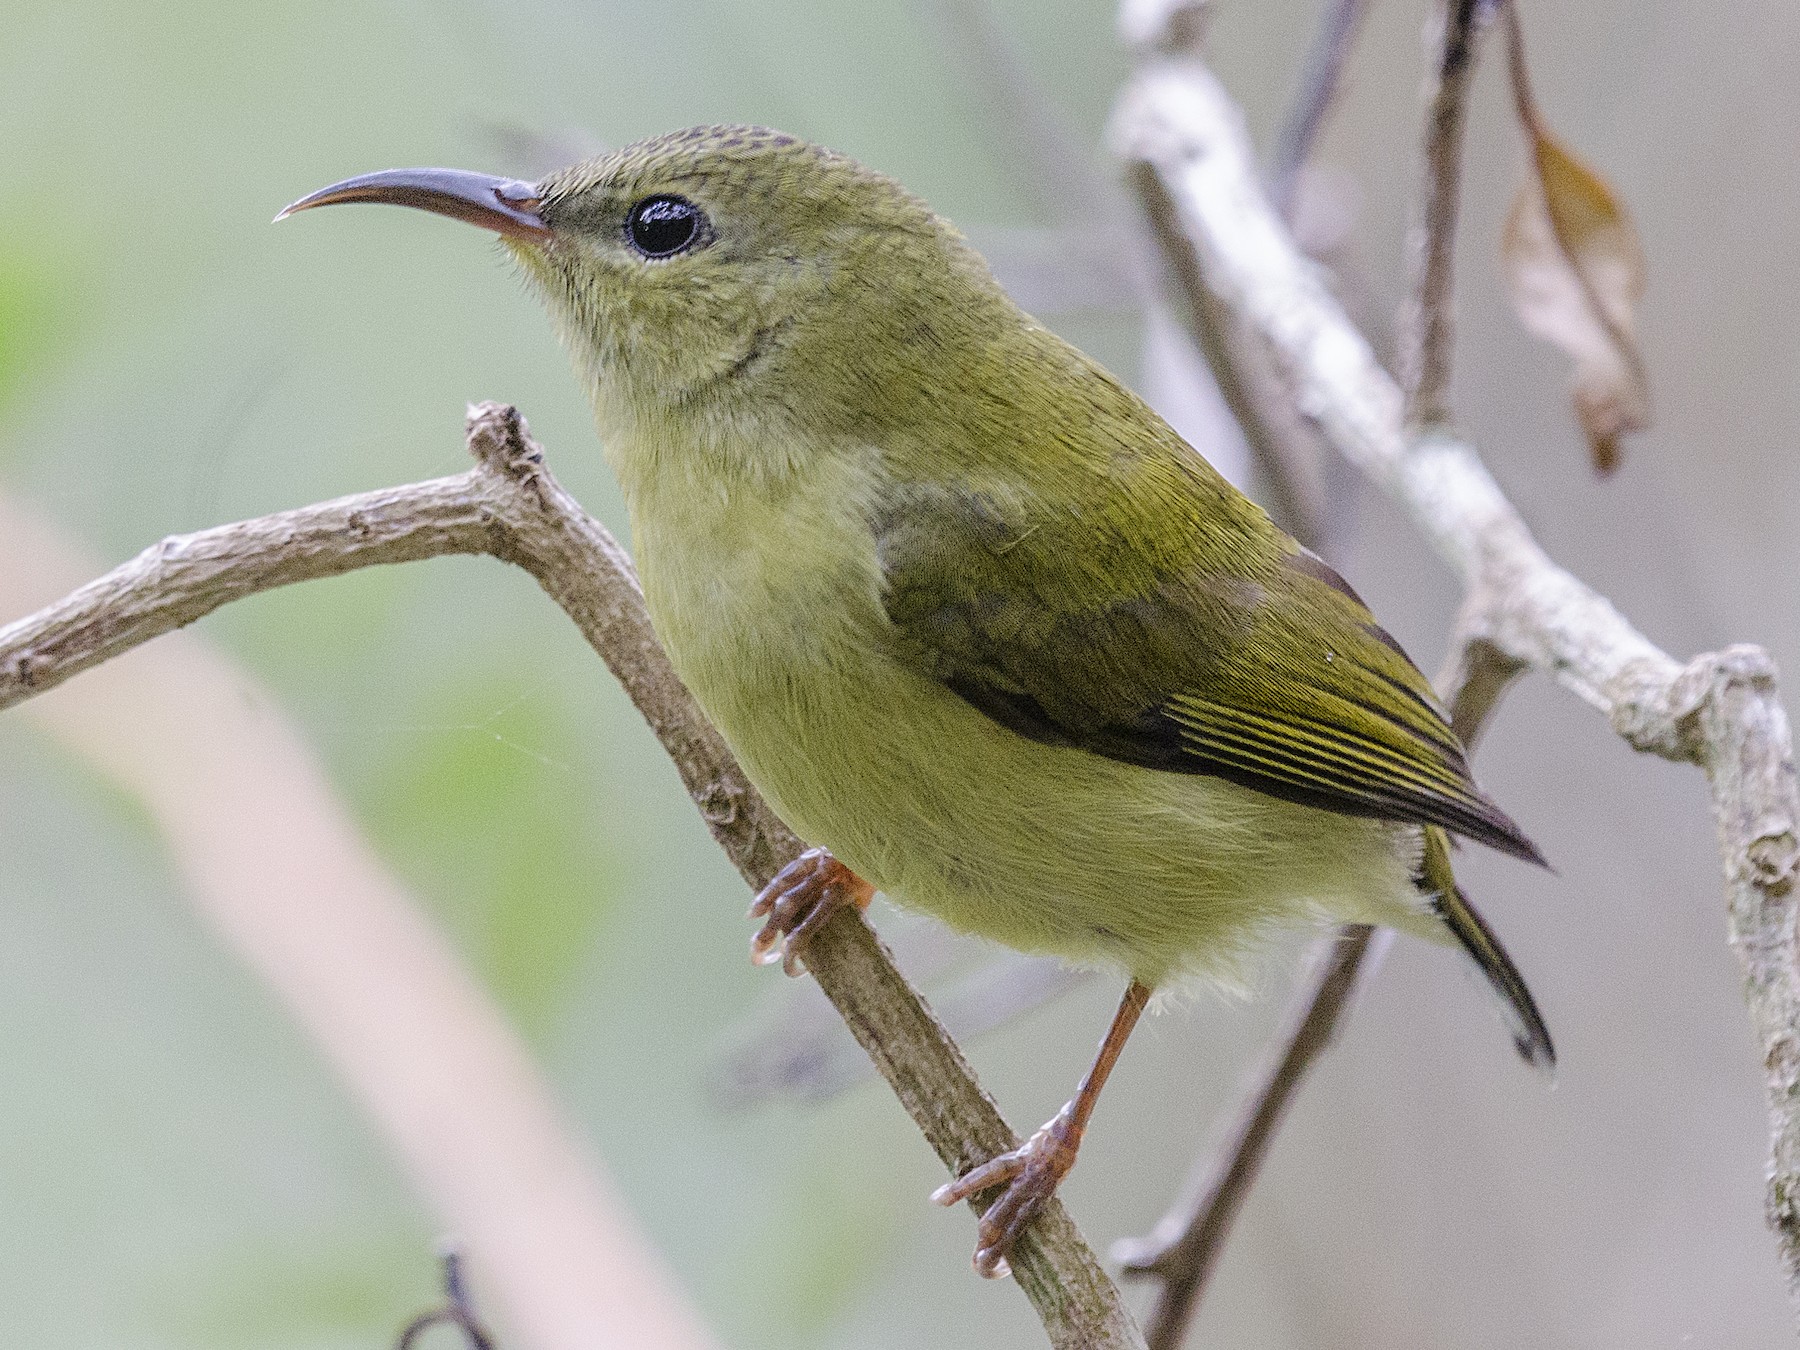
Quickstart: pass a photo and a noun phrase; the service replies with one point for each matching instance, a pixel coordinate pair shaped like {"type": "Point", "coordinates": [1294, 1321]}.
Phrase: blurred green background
{"type": "Point", "coordinates": [178, 1168]}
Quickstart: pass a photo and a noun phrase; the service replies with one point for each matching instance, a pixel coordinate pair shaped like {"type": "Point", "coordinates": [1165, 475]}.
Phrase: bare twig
{"type": "Point", "coordinates": [1320, 81]}
{"type": "Point", "coordinates": [1184, 1247]}
{"type": "Point", "coordinates": [1480, 674]}
{"type": "Point", "coordinates": [458, 1311]}
{"type": "Point", "coordinates": [1182, 1251]}
{"type": "Point", "coordinates": [1719, 711]}
{"type": "Point", "coordinates": [509, 507]}
{"type": "Point", "coordinates": [805, 1054]}
{"type": "Point", "coordinates": [277, 870]}
{"type": "Point", "coordinates": [1293, 488]}
{"type": "Point", "coordinates": [1428, 344]}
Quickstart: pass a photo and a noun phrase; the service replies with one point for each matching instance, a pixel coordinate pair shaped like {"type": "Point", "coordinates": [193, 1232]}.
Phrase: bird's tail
{"type": "Point", "coordinates": [1438, 883]}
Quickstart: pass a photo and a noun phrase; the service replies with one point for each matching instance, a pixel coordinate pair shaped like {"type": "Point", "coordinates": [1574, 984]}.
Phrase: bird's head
{"type": "Point", "coordinates": [724, 268]}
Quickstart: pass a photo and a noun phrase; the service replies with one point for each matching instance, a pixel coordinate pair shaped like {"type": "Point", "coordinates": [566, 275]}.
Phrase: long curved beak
{"type": "Point", "coordinates": [504, 205]}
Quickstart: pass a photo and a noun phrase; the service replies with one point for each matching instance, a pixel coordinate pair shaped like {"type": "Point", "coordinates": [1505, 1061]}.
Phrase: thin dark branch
{"type": "Point", "coordinates": [1286, 460]}
{"type": "Point", "coordinates": [1480, 674]}
{"type": "Point", "coordinates": [458, 1311]}
{"type": "Point", "coordinates": [1183, 1250]}
{"type": "Point", "coordinates": [1429, 338]}
{"type": "Point", "coordinates": [1320, 81]}
{"type": "Point", "coordinates": [474, 1336]}
{"type": "Point", "coordinates": [1518, 75]}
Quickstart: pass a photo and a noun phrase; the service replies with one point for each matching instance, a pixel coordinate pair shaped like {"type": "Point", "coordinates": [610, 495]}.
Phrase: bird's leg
{"type": "Point", "coordinates": [793, 906]}
{"type": "Point", "coordinates": [1032, 1171]}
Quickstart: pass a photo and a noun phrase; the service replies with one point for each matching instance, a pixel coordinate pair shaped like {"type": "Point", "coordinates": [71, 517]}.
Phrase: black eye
{"type": "Point", "coordinates": [659, 227]}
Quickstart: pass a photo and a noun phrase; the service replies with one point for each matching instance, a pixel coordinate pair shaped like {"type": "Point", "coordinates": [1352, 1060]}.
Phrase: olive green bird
{"type": "Point", "coordinates": [981, 626]}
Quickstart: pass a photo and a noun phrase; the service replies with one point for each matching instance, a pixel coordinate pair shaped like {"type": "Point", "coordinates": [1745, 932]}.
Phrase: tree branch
{"type": "Point", "coordinates": [1184, 1248]}
{"type": "Point", "coordinates": [1287, 463]}
{"type": "Point", "coordinates": [509, 507]}
{"type": "Point", "coordinates": [1429, 343]}
{"type": "Point", "coordinates": [1319, 84]}
{"type": "Point", "coordinates": [1182, 1251]}
{"type": "Point", "coordinates": [273, 866]}
{"type": "Point", "coordinates": [1720, 710]}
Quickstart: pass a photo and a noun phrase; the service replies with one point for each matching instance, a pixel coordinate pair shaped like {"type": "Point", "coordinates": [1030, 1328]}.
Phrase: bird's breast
{"type": "Point", "coordinates": [766, 591]}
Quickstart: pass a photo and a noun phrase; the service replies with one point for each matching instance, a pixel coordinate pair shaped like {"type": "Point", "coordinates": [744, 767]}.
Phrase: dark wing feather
{"type": "Point", "coordinates": [1234, 652]}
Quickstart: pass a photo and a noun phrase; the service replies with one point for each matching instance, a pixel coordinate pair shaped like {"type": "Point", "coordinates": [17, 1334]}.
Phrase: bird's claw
{"type": "Point", "coordinates": [798, 902]}
{"type": "Point", "coordinates": [1031, 1174]}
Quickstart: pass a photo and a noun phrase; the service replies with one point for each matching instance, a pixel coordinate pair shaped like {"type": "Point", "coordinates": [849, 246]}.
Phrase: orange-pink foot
{"type": "Point", "coordinates": [1031, 1174]}
{"type": "Point", "coordinates": [796, 904]}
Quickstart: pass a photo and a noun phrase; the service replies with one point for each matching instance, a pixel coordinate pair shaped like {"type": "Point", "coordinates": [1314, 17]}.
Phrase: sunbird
{"type": "Point", "coordinates": [983, 628]}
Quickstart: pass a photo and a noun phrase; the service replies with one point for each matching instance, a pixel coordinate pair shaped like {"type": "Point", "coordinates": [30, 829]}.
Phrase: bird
{"type": "Point", "coordinates": [987, 633]}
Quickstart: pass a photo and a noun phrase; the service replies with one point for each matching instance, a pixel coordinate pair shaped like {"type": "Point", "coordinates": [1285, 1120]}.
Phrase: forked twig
{"type": "Point", "coordinates": [458, 1311]}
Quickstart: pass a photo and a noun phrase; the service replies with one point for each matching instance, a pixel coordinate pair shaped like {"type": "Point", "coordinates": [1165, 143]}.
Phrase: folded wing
{"type": "Point", "coordinates": [1228, 650]}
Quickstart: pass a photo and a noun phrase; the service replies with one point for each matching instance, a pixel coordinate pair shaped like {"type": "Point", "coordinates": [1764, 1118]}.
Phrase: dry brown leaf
{"type": "Point", "coordinates": [1576, 273]}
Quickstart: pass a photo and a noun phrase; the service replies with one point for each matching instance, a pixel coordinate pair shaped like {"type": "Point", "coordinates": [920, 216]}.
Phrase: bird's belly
{"type": "Point", "coordinates": [1046, 849]}
{"type": "Point", "coordinates": [777, 629]}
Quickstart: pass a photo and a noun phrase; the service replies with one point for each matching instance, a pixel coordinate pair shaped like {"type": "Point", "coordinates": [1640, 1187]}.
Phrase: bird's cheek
{"type": "Point", "coordinates": [536, 261]}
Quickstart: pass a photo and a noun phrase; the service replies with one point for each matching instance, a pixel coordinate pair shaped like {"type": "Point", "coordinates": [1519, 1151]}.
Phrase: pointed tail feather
{"type": "Point", "coordinates": [1530, 1036]}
